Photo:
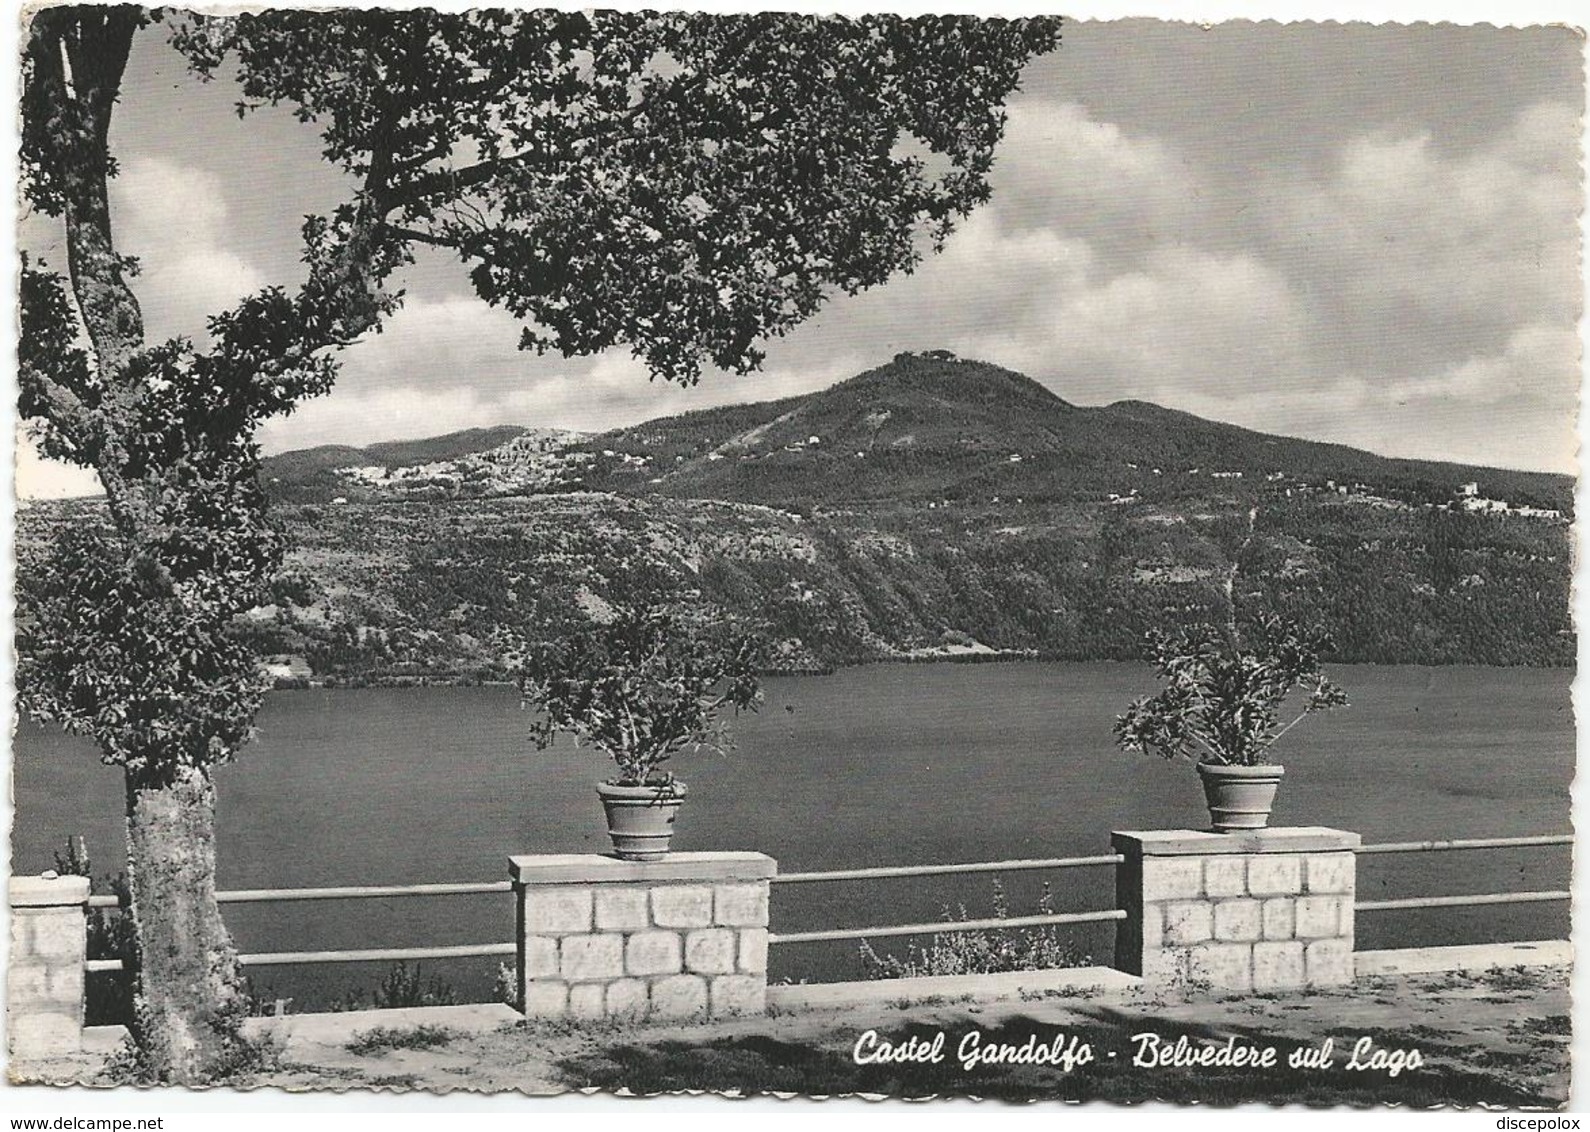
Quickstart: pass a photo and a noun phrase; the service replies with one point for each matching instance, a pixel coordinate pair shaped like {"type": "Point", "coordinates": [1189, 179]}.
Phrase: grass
{"type": "Point", "coordinates": [1509, 978]}
{"type": "Point", "coordinates": [573, 1027]}
{"type": "Point", "coordinates": [1557, 1025]}
{"type": "Point", "coordinates": [385, 1039]}
{"type": "Point", "coordinates": [1047, 993]}
{"type": "Point", "coordinates": [985, 952]}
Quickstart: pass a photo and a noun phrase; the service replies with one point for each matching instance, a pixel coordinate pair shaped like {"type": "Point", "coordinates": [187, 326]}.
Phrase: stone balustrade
{"type": "Point", "coordinates": [683, 937]}
{"type": "Point", "coordinates": [687, 936]}
{"type": "Point", "coordinates": [1263, 910]}
{"type": "Point", "coordinates": [44, 981]}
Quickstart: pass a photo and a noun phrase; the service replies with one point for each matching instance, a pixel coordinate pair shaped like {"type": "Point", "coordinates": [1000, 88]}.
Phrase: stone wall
{"type": "Point", "coordinates": [684, 937]}
{"type": "Point", "coordinates": [687, 936]}
{"type": "Point", "coordinates": [44, 982]}
{"type": "Point", "coordinates": [1263, 910]}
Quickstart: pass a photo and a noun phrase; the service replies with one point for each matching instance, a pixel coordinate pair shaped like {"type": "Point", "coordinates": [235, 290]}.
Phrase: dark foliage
{"type": "Point", "coordinates": [683, 185]}
{"type": "Point", "coordinates": [385, 1039]}
{"type": "Point", "coordinates": [1228, 690]}
{"type": "Point", "coordinates": [635, 678]}
{"type": "Point", "coordinates": [1376, 553]}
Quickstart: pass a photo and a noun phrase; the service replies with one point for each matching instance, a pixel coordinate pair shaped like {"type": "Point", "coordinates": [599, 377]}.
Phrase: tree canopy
{"type": "Point", "coordinates": [681, 184]}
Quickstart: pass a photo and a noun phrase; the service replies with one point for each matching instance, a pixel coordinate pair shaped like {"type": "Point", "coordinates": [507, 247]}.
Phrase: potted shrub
{"type": "Point", "coordinates": [640, 682]}
{"type": "Point", "coordinates": [1226, 693]}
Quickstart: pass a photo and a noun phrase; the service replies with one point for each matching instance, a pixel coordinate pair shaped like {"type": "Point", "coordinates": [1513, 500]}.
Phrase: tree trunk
{"type": "Point", "coordinates": [190, 1003]}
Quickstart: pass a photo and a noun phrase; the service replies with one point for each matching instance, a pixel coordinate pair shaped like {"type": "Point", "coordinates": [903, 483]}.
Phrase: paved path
{"type": "Point", "coordinates": [1492, 1037]}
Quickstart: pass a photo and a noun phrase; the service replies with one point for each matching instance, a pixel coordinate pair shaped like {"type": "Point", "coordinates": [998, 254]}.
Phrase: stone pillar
{"type": "Point", "coordinates": [1263, 910]}
{"type": "Point", "coordinates": [683, 937]}
{"type": "Point", "coordinates": [44, 983]}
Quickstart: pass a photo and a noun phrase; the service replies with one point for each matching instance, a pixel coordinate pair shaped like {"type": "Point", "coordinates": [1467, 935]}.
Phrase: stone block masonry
{"type": "Point", "coordinates": [684, 937]}
{"type": "Point", "coordinates": [1264, 910]}
{"type": "Point", "coordinates": [44, 982]}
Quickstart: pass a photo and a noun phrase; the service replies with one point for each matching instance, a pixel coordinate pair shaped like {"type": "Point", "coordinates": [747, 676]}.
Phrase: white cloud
{"type": "Point", "coordinates": [1406, 298]}
{"type": "Point", "coordinates": [1062, 169]}
{"type": "Point", "coordinates": [38, 478]}
{"type": "Point", "coordinates": [1486, 238]}
{"type": "Point", "coordinates": [449, 341]}
{"type": "Point", "coordinates": [1540, 363]}
{"type": "Point", "coordinates": [1514, 408]}
{"type": "Point", "coordinates": [174, 219]}
{"type": "Point", "coordinates": [1189, 322]}
{"type": "Point", "coordinates": [1402, 276]}
{"type": "Point", "coordinates": [988, 294]}
{"type": "Point", "coordinates": [1182, 320]}
{"type": "Point", "coordinates": [449, 364]}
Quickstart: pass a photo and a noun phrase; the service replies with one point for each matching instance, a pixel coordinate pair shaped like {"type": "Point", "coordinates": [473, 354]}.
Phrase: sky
{"type": "Point", "coordinates": [1351, 233]}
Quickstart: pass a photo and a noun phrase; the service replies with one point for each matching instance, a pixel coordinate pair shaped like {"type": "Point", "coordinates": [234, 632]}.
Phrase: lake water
{"type": "Point", "coordinates": [882, 765]}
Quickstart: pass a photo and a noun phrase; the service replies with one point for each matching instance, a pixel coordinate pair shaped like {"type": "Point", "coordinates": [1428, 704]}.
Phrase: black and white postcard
{"type": "Point", "coordinates": [793, 554]}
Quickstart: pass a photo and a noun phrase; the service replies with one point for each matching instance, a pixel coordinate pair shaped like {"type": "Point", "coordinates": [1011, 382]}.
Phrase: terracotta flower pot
{"type": "Point", "coordinates": [1239, 797]}
{"type": "Point", "coordinates": [640, 819]}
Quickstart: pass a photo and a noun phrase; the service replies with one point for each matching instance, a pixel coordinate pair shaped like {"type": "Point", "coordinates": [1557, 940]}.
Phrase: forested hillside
{"type": "Point", "coordinates": [931, 508]}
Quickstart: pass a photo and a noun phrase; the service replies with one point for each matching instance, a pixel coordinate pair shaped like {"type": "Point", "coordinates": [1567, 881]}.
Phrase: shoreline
{"type": "Point", "coordinates": [453, 680]}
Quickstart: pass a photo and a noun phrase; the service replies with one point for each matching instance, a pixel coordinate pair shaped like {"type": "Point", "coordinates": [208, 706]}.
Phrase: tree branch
{"type": "Point", "coordinates": [418, 236]}
{"type": "Point", "coordinates": [1277, 736]}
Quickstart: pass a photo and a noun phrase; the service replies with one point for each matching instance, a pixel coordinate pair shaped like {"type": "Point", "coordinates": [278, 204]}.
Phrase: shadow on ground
{"type": "Point", "coordinates": [1509, 1050]}
{"type": "Point", "coordinates": [1496, 1038]}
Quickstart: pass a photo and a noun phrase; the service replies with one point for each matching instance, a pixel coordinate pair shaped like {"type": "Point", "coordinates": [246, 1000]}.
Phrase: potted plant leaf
{"type": "Point", "coordinates": [1229, 694]}
{"type": "Point", "coordinates": [641, 682]}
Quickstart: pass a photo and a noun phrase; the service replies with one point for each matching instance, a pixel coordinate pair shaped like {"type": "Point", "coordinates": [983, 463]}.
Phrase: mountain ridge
{"type": "Point", "coordinates": [934, 426]}
{"type": "Point", "coordinates": [930, 508]}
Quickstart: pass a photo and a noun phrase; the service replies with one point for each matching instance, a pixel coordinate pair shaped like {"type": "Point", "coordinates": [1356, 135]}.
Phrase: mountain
{"type": "Point", "coordinates": [929, 508]}
{"type": "Point", "coordinates": [311, 474]}
{"type": "Point", "coordinates": [924, 427]}
{"type": "Point", "coordinates": [936, 427]}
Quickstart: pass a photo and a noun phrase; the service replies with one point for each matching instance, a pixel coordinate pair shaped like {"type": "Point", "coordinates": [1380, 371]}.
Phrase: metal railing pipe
{"type": "Point", "coordinates": [368, 892]}
{"type": "Point", "coordinates": [885, 871]}
{"type": "Point", "coordinates": [949, 926]}
{"type": "Point", "coordinates": [378, 955]}
{"type": "Point", "coordinates": [1469, 843]}
{"type": "Point", "coordinates": [346, 892]}
{"type": "Point", "coordinates": [1462, 901]}
{"type": "Point", "coordinates": [361, 892]}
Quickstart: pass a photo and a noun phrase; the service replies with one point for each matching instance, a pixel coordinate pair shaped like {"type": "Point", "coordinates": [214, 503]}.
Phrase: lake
{"type": "Point", "coordinates": [881, 765]}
